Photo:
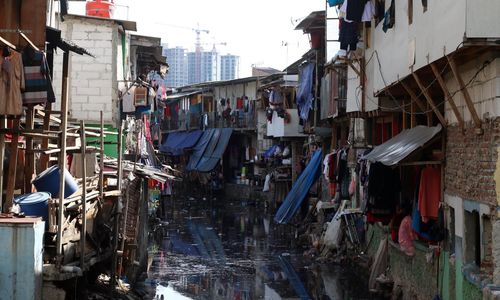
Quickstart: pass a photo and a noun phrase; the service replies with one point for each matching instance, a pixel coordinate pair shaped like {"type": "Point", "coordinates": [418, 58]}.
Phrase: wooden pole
{"type": "Point", "coordinates": [62, 156]}
{"type": "Point", "coordinates": [84, 194]}
{"type": "Point", "coordinates": [45, 141]}
{"type": "Point", "coordinates": [448, 96]}
{"type": "Point", "coordinates": [430, 101]}
{"type": "Point", "coordinates": [11, 179]}
{"type": "Point", "coordinates": [3, 124]}
{"type": "Point", "coordinates": [125, 213]}
{"type": "Point", "coordinates": [29, 167]}
{"type": "Point", "coordinates": [465, 92]}
{"type": "Point", "coordinates": [101, 161]}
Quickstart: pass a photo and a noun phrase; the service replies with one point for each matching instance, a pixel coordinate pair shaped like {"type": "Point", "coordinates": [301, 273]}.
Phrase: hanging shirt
{"type": "Point", "coordinates": [429, 193]}
{"type": "Point", "coordinates": [38, 85]}
{"type": "Point", "coordinates": [355, 10]}
{"type": "Point", "coordinates": [368, 12]}
{"type": "Point", "coordinates": [406, 236]}
{"type": "Point", "coordinates": [11, 83]}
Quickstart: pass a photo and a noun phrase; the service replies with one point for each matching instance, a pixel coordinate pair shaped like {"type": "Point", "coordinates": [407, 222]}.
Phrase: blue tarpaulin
{"type": "Point", "coordinates": [299, 190]}
{"type": "Point", "coordinates": [304, 91]}
{"type": "Point", "coordinates": [211, 157]}
{"type": "Point", "coordinates": [209, 149]}
{"type": "Point", "coordinates": [177, 142]}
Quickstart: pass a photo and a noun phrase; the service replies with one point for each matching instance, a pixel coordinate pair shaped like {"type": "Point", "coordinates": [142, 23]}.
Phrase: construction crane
{"type": "Point", "coordinates": [197, 30]}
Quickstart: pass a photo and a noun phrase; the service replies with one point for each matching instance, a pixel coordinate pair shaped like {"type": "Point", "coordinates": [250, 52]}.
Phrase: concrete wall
{"type": "Point", "coordinates": [93, 81]}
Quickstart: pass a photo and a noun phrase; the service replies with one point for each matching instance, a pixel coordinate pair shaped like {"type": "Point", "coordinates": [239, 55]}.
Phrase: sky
{"type": "Point", "coordinates": [261, 32]}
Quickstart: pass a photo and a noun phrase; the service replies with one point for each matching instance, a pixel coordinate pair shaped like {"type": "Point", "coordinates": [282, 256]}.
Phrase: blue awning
{"type": "Point", "coordinates": [177, 142]}
{"type": "Point", "coordinates": [209, 149]}
{"type": "Point", "coordinates": [299, 190]}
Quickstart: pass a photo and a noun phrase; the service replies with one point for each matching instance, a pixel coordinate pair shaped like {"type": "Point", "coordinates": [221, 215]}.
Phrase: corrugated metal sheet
{"type": "Point", "coordinates": [399, 147]}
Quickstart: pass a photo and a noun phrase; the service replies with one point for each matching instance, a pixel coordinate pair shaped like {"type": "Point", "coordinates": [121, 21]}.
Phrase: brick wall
{"type": "Point", "coordinates": [92, 80]}
{"type": "Point", "coordinates": [471, 162]}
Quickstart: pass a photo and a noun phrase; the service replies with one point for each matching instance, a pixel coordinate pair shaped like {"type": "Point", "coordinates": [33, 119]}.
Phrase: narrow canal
{"type": "Point", "coordinates": [233, 250]}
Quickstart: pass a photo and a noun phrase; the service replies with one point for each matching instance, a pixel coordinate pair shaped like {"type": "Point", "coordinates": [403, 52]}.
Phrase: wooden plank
{"type": "Point", "coordinates": [101, 161]}
{"type": "Point", "coordinates": [44, 160]}
{"type": "Point", "coordinates": [11, 179]}
{"type": "Point", "coordinates": [430, 100]}
{"type": "Point", "coordinates": [448, 96]}
{"type": "Point", "coordinates": [465, 92]}
{"type": "Point", "coordinates": [29, 167]}
{"type": "Point", "coordinates": [33, 18]}
{"type": "Point", "coordinates": [3, 124]}
{"type": "Point", "coordinates": [413, 96]}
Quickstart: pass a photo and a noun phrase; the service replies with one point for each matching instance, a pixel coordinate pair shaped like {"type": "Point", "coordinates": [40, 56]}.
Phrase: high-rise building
{"type": "Point", "coordinates": [206, 67]}
{"type": "Point", "coordinates": [178, 71]}
{"type": "Point", "coordinates": [230, 67]}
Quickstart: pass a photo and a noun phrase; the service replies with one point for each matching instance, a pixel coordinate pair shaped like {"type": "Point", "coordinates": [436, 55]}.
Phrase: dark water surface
{"type": "Point", "coordinates": [232, 250]}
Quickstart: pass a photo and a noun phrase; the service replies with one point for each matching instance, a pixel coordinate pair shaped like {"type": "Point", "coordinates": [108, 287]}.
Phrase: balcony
{"type": "Point", "coordinates": [239, 120]}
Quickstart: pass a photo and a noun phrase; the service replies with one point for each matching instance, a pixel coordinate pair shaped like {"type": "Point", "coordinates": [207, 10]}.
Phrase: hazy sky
{"type": "Point", "coordinates": [261, 32]}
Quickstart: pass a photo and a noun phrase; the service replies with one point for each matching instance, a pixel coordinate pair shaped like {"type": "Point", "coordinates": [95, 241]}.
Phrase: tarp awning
{"type": "Point", "coordinates": [399, 147]}
{"type": "Point", "coordinates": [209, 149]}
{"type": "Point", "coordinates": [177, 142]}
{"type": "Point", "coordinates": [300, 189]}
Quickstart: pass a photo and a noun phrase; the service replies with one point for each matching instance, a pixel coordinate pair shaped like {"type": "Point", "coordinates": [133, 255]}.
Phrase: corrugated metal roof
{"type": "Point", "coordinates": [399, 147]}
{"type": "Point", "coordinates": [182, 95]}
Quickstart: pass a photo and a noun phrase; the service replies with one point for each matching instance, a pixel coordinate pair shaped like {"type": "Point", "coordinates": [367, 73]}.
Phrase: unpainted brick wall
{"type": "Point", "coordinates": [471, 162]}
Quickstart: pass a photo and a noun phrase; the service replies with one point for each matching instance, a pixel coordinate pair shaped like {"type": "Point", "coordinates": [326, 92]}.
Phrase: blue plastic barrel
{"type": "Point", "coordinates": [48, 181]}
{"type": "Point", "coordinates": [34, 204]}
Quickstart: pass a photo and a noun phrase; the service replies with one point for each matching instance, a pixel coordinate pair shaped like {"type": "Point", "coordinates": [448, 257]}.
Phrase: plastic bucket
{"type": "Point", "coordinates": [48, 181]}
{"type": "Point", "coordinates": [100, 8]}
{"type": "Point", "coordinates": [34, 204]}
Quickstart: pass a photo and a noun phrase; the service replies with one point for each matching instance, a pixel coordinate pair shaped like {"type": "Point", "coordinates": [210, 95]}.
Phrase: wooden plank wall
{"type": "Point", "coordinates": [27, 15]}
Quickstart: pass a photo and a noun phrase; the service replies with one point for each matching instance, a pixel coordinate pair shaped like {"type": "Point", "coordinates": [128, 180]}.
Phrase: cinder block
{"type": "Point", "coordinates": [99, 83]}
{"type": "Point", "coordinates": [79, 99]}
{"type": "Point", "coordinates": [100, 36]}
{"type": "Point", "coordinates": [88, 75]}
{"type": "Point", "coordinates": [90, 91]}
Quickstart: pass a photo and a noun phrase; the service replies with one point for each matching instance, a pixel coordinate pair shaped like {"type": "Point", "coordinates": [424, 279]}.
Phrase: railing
{"type": "Point", "coordinates": [190, 121]}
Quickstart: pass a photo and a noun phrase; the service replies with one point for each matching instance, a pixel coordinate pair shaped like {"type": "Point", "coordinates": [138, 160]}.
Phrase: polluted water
{"type": "Point", "coordinates": [231, 249]}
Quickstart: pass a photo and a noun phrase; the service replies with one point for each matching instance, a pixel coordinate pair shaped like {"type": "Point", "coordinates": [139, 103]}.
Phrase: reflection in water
{"type": "Point", "coordinates": [235, 251]}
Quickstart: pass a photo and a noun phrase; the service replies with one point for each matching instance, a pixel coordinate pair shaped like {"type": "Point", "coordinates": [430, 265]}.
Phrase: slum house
{"type": "Point", "coordinates": [304, 192]}
{"type": "Point", "coordinates": [281, 141]}
{"type": "Point", "coordinates": [95, 81]}
{"type": "Point", "coordinates": [227, 111]}
{"type": "Point", "coordinates": [427, 99]}
{"type": "Point", "coordinates": [69, 245]}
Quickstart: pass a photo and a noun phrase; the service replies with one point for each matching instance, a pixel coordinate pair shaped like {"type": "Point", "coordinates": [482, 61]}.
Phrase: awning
{"type": "Point", "coordinates": [177, 142]}
{"type": "Point", "coordinates": [299, 190]}
{"type": "Point", "coordinates": [399, 147]}
{"type": "Point", "coordinates": [209, 149]}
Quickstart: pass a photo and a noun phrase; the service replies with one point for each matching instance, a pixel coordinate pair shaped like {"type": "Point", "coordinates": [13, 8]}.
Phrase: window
{"type": "Point", "coordinates": [472, 237]}
{"type": "Point", "coordinates": [410, 12]}
{"type": "Point", "coordinates": [424, 5]}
